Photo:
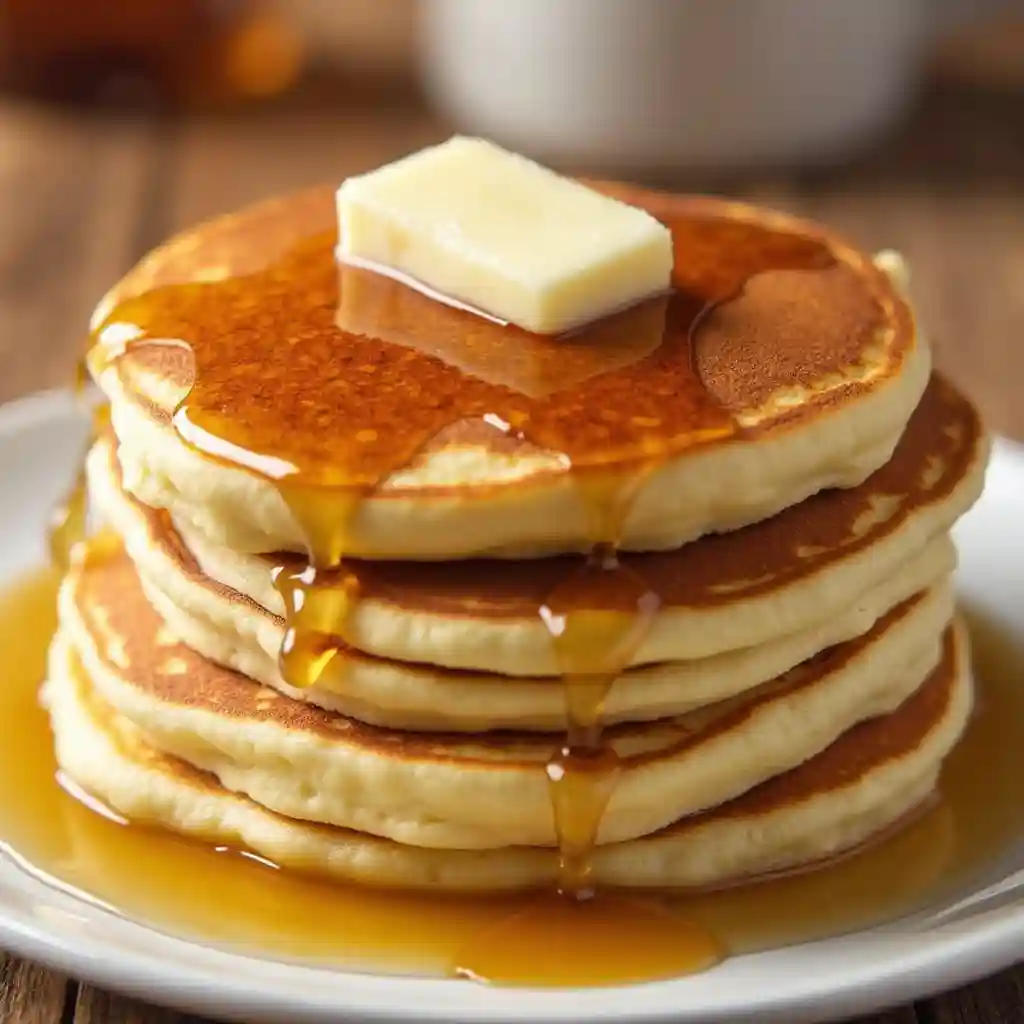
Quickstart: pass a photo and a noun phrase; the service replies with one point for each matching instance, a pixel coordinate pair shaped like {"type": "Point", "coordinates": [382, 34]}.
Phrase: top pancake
{"type": "Point", "coordinates": [784, 359]}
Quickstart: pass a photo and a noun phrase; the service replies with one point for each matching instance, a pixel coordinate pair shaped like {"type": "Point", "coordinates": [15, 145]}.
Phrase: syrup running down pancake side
{"type": "Point", "coordinates": [164, 879]}
{"type": "Point", "coordinates": [68, 520]}
{"type": "Point", "coordinates": [330, 381]}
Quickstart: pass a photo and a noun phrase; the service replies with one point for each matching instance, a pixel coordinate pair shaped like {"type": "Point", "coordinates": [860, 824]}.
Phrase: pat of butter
{"type": "Point", "coordinates": [492, 231]}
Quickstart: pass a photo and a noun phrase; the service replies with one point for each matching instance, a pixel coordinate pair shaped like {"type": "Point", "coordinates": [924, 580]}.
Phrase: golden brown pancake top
{"type": "Point", "coordinates": [348, 376]}
{"type": "Point", "coordinates": [111, 603]}
{"type": "Point", "coordinates": [937, 449]}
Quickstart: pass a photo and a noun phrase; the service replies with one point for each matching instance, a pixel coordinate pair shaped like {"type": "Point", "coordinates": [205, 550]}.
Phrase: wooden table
{"type": "Point", "coordinates": [82, 198]}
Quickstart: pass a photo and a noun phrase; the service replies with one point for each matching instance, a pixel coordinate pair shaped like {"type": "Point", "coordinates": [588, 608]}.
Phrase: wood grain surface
{"type": "Point", "coordinates": [82, 197]}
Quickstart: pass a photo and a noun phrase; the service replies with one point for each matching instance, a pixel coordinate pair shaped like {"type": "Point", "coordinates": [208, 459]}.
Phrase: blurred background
{"type": "Point", "coordinates": [900, 122]}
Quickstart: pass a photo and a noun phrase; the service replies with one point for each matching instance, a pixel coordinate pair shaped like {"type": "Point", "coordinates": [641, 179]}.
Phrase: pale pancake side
{"type": "Point", "coordinates": [863, 785]}
{"type": "Point", "coordinates": [804, 568]}
{"type": "Point", "coordinates": [233, 631]}
{"type": "Point", "coordinates": [816, 413]}
{"type": "Point", "coordinates": [455, 790]}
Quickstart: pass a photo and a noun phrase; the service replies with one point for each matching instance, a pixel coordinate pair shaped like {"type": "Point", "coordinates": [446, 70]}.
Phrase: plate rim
{"type": "Point", "coordinates": [239, 986]}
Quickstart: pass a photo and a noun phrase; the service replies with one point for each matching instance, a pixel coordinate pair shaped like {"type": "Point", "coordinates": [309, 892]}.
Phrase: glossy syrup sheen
{"type": "Point", "coordinates": [329, 380]}
{"type": "Point", "coordinates": [68, 520]}
{"type": "Point", "coordinates": [226, 898]}
{"type": "Point", "coordinates": [334, 377]}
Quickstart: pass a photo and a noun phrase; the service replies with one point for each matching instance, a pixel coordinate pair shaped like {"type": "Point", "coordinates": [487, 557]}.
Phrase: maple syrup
{"type": "Point", "coordinates": [68, 521]}
{"type": "Point", "coordinates": [69, 518]}
{"type": "Point", "coordinates": [327, 380]}
{"type": "Point", "coordinates": [233, 900]}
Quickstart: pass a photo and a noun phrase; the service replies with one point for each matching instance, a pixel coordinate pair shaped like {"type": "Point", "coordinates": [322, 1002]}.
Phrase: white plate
{"type": "Point", "coordinates": [40, 438]}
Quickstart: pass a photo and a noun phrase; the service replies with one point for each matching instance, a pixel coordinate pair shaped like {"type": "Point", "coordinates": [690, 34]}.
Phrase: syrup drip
{"type": "Point", "coordinates": [328, 382]}
{"type": "Point", "coordinates": [68, 522]}
{"type": "Point", "coordinates": [592, 645]}
{"type": "Point", "coordinates": [69, 519]}
{"type": "Point", "coordinates": [315, 615]}
{"type": "Point", "coordinates": [167, 881]}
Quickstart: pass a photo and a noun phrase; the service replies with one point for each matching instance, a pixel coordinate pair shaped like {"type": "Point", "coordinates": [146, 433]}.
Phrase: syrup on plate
{"type": "Point", "coordinates": [231, 899]}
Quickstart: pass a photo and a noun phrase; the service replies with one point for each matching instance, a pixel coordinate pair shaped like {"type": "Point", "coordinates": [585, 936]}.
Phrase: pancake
{"type": "Point", "coordinates": [864, 784]}
{"type": "Point", "coordinates": [454, 790]}
{"type": "Point", "coordinates": [785, 361]}
{"type": "Point", "coordinates": [232, 630]}
{"type": "Point", "coordinates": [806, 571]}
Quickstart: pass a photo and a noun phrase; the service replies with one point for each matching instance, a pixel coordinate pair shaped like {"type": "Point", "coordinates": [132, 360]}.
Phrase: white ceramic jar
{"type": "Point", "coordinates": [665, 85]}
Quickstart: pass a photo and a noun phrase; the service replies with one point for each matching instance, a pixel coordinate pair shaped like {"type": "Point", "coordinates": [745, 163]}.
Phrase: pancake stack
{"type": "Point", "coordinates": [398, 595]}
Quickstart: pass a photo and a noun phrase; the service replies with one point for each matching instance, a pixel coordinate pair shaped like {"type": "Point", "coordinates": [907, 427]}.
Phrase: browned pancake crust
{"type": "Point", "coordinates": [859, 750]}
